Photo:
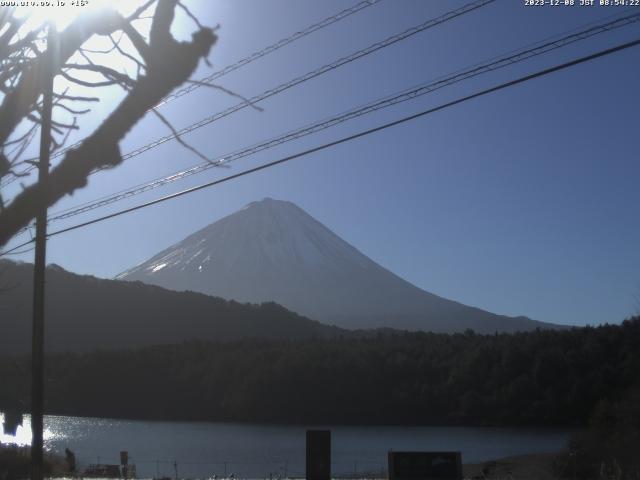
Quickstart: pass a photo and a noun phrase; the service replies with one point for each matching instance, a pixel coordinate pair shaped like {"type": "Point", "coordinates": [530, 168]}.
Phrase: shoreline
{"type": "Point", "coordinates": [535, 466]}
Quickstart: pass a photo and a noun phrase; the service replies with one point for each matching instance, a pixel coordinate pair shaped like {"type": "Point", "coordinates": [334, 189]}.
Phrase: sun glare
{"type": "Point", "coordinates": [62, 12]}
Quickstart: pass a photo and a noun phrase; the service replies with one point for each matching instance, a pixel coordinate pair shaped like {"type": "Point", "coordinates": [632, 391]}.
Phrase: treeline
{"type": "Point", "coordinates": [608, 448]}
{"type": "Point", "coordinates": [535, 378]}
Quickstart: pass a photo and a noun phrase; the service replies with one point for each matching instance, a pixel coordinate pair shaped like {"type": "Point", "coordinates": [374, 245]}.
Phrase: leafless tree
{"type": "Point", "coordinates": [162, 64]}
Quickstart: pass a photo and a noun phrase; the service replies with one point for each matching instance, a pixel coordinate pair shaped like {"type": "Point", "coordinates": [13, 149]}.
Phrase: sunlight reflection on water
{"type": "Point", "coordinates": [23, 433]}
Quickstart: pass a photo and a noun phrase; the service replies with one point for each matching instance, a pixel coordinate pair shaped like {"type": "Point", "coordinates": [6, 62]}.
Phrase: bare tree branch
{"type": "Point", "coordinates": [168, 63]}
{"type": "Point", "coordinates": [71, 110]}
{"type": "Point", "coordinates": [228, 92]}
{"type": "Point", "coordinates": [178, 138]}
{"type": "Point", "coordinates": [84, 83]}
{"type": "Point", "coordinates": [66, 137]}
{"type": "Point", "coordinates": [116, 45]}
{"type": "Point", "coordinates": [17, 104]}
{"type": "Point", "coordinates": [140, 10]}
{"type": "Point", "coordinates": [190, 15]}
{"type": "Point", "coordinates": [106, 72]}
{"type": "Point", "coordinates": [138, 41]}
{"type": "Point", "coordinates": [75, 98]}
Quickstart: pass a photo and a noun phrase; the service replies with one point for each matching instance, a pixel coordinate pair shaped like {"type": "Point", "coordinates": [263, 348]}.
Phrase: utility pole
{"type": "Point", "coordinates": [37, 339]}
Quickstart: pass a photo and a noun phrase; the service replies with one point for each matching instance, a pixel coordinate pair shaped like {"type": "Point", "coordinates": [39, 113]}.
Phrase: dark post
{"type": "Point", "coordinates": [37, 339]}
{"type": "Point", "coordinates": [124, 463]}
{"type": "Point", "coordinates": [318, 454]}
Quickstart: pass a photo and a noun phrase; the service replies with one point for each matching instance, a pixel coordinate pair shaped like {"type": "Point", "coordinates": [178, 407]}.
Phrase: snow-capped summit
{"type": "Point", "coordinates": [272, 250]}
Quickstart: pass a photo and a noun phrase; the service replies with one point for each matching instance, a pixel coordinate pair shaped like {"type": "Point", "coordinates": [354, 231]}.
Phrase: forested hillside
{"type": "Point", "coordinates": [534, 378]}
{"type": "Point", "coordinates": [85, 313]}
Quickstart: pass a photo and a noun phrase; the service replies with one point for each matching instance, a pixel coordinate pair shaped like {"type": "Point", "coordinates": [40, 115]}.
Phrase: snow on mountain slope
{"type": "Point", "coordinates": [273, 250]}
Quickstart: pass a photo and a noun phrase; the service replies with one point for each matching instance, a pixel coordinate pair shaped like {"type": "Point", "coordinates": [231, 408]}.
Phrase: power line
{"type": "Point", "coordinates": [271, 48]}
{"type": "Point", "coordinates": [239, 64]}
{"type": "Point", "coordinates": [540, 73]}
{"type": "Point", "coordinates": [20, 252]}
{"type": "Point", "coordinates": [415, 92]}
{"type": "Point", "coordinates": [315, 73]}
{"type": "Point", "coordinates": [303, 78]}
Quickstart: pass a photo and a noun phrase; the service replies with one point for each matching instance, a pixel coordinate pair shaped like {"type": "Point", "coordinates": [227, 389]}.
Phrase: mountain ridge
{"type": "Point", "coordinates": [86, 313]}
{"type": "Point", "coordinates": [272, 250]}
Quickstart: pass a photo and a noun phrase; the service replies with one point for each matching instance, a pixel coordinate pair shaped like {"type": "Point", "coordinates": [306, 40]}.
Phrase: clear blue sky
{"type": "Point", "coordinates": [523, 202]}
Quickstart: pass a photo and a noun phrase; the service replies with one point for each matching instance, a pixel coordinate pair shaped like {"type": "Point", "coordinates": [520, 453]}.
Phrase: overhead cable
{"type": "Point", "coordinates": [235, 66]}
{"type": "Point", "coordinates": [298, 80]}
{"type": "Point", "coordinates": [406, 95]}
{"type": "Point", "coordinates": [526, 78]}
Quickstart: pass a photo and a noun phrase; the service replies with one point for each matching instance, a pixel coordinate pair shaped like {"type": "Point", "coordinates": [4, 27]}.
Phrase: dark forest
{"type": "Point", "coordinates": [545, 377]}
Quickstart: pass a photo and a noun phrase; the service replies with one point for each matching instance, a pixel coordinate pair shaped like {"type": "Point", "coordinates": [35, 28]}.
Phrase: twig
{"type": "Point", "coordinates": [228, 92]}
{"type": "Point", "coordinates": [190, 15]}
{"type": "Point", "coordinates": [178, 138]}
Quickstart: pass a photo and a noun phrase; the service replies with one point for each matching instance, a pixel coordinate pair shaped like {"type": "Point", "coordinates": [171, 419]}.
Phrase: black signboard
{"type": "Point", "coordinates": [425, 466]}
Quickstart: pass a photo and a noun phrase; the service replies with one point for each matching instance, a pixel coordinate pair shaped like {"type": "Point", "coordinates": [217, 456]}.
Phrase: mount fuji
{"type": "Point", "coordinates": [272, 250]}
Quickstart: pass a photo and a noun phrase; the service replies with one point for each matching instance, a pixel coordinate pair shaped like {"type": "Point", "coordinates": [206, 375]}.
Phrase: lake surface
{"type": "Point", "coordinates": [202, 449]}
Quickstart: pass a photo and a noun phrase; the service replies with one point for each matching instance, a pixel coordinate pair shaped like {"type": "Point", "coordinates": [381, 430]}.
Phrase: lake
{"type": "Point", "coordinates": [200, 449]}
